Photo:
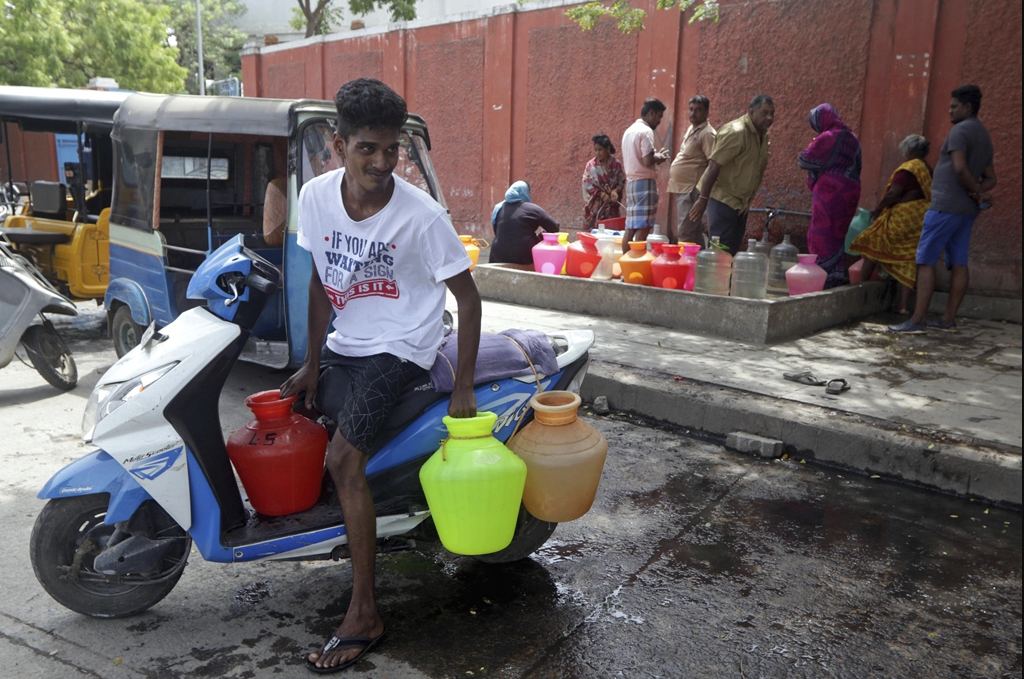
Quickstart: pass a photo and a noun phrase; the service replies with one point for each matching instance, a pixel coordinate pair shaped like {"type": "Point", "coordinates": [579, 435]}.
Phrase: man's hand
{"type": "Point", "coordinates": [463, 403]}
{"type": "Point", "coordinates": [662, 155]}
{"type": "Point", "coordinates": [696, 212]}
{"type": "Point", "coordinates": [306, 380]}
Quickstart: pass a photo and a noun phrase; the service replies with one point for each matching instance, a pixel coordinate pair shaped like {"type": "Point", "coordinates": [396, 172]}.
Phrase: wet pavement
{"type": "Point", "coordinates": [693, 562]}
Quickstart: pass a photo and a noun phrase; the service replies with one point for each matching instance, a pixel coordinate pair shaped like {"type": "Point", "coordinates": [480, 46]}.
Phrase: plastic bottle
{"type": "Point", "coordinates": [782, 257]}
{"type": "Point", "coordinates": [763, 246]}
{"type": "Point", "coordinates": [473, 247]}
{"type": "Point", "coordinates": [474, 486]}
{"type": "Point", "coordinates": [549, 255]}
{"type": "Point", "coordinates": [806, 276]}
{"type": "Point", "coordinates": [690, 251]}
{"type": "Point", "coordinates": [564, 458]}
{"type": "Point", "coordinates": [750, 273]}
{"type": "Point", "coordinates": [279, 456]}
{"type": "Point", "coordinates": [714, 267]}
{"type": "Point", "coordinates": [606, 247]}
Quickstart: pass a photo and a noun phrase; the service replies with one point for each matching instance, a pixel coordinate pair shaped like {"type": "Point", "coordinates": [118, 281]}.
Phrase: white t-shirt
{"type": "Point", "coordinates": [637, 142]}
{"type": "Point", "coordinates": [384, 275]}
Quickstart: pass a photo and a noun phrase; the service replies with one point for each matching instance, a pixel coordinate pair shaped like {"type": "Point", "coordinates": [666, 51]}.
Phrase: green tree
{"type": "Point", "coordinates": [33, 42]}
{"type": "Point", "coordinates": [632, 19]}
{"type": "Point", "coordinates": [222, 41]}
{"type": "Point", "coordinates": [67, 42]}
{"type": "Point", "coordinates": [121, 39]}
{"type": "Point", "coordinates": [318, 17]}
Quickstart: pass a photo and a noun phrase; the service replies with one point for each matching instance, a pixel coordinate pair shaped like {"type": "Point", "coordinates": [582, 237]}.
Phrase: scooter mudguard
{"type": "Point", "coordinates": [94, 474]}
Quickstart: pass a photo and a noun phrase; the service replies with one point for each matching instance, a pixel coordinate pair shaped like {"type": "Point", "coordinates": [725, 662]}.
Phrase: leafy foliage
{"type": "Point", "coordinates": [632, 19]}
{"type": "Point", "coordinates": [318, 17]}
{"type": "Point", "coordinates": [67, 42]}
{"type": "Point", "coordinates": [222, 41]}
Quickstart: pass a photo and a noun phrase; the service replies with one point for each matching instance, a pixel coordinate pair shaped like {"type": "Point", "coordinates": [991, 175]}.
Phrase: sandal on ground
{"type": "Point", "coordinates": [944, 327]}
{"type": "Point", "coordinates": [341, 643]}
{"type": "Point", "coordinates": [804, 378]}
{"type": "Point", "coordinates": [837, 386]}
{"type": "Point", "coordinates": [908, 327]}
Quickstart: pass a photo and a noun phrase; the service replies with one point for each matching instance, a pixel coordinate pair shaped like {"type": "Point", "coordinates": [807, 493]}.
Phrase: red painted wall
{"type": "Point", "coordinates": [518, 95]}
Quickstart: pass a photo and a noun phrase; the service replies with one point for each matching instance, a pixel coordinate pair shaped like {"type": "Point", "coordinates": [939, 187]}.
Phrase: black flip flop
{"type": "Point", "coordinates": [804, 378]}
{"type": "Point", "coordinates": [837, 386]}
{"type": "Point", "coordinates": [341, 643]}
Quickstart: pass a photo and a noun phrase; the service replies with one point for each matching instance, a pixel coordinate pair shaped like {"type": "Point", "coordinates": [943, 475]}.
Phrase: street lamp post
{"type": "Point", "coordinates": [199, 42]}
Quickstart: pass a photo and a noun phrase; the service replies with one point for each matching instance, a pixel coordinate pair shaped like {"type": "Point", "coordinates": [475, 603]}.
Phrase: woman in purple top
{"type": "Point", "coordinates": [833, 166]}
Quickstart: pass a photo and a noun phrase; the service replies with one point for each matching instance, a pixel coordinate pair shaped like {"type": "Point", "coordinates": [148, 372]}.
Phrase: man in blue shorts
{"type": "Point", "coordinates": [383, 253]}
{"type": "Point", "coordinates": [961, 185]}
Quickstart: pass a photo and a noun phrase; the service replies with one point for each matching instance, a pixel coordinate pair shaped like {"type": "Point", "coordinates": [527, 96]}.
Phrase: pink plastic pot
{"type": "Point", "coordinates": [549, 255]}
{"type": "Point", "coordinates": [805, 276]}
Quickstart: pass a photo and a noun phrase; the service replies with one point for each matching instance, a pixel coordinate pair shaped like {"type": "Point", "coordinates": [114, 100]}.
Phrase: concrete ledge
{"type": "Point", "coordinates": [758, 321]}
{"type": "Point", "coordinates": [985, 470]}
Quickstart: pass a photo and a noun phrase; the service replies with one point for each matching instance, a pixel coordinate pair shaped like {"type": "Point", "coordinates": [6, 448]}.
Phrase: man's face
{"type": "Point", "coordinates": [698, 114]}
{"type": "Point", "coordinates": [959, 111]}
{"type": "Point", "coordinates": [763, 117]}
{"type": "Point", "coordinates": [370, 156]}
{"type": "Point", "coordinates": [653, 118]}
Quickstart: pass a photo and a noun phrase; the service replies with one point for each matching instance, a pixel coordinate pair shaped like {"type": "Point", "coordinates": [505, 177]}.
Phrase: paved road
{"type": "Point", "coordinates": [694, 562]}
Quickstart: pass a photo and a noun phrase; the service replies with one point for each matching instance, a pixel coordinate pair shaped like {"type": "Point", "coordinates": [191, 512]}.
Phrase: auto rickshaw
{"type": "Point", "coordinates": [192, 172]}
{"type": "Point", "coordinates": [56, 213]}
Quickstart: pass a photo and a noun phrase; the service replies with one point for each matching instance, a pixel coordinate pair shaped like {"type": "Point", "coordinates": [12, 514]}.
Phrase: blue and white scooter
{"type": "Point", "coordinates": [116, 533]}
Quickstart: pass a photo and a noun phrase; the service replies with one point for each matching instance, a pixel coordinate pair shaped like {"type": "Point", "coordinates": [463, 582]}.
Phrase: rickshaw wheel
{"type": "Point", "coordinates": [125, 332]}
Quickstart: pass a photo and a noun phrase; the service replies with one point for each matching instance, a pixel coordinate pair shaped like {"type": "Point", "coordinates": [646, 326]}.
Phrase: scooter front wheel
{"type": "Point", "coordinates": [70, 533]}
{"type": "Point", "coordinates": [50, 356]}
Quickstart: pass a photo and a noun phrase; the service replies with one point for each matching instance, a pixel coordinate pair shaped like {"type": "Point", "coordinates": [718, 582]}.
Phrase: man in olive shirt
{"type": "Point", "coordinates": [687, 169]}
{"type": "Point", "coordinates": [734, 173]}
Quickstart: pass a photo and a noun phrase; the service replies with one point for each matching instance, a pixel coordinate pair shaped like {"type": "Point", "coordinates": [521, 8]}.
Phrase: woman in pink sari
{"type": "Point", "coordinates": [833, 166]}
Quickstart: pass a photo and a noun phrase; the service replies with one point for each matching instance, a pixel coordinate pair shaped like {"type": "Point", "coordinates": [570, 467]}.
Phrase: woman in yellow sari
{"type": "Point", "coordinates": [891, 240]}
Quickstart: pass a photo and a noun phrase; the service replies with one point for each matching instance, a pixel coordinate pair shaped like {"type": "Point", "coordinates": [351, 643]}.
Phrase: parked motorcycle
{"type": "Point", "coordinates": [117, 531]}
{"type": "Point", "coordinates": [25, 299]}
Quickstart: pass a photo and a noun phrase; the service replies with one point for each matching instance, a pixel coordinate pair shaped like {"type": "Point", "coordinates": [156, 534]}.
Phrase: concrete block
{"type": "Point", "coordinates": [751, 443]}
{"type": "Point", "coordinates": [758, 321]}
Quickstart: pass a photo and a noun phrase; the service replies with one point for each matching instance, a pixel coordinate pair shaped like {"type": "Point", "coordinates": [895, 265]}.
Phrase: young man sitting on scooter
{"type": "Point", "coordinates": [383, 252]}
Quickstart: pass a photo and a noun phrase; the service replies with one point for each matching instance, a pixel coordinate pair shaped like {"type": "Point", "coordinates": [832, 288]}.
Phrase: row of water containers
{"type": "Point", "coordinates": [757, 272]}
{"type": "Point", "coordinates": [754, 274]}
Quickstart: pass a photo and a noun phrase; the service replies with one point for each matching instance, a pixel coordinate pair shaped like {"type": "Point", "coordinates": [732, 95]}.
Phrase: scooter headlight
{"type": "Point", "coordinates": [107, 398]}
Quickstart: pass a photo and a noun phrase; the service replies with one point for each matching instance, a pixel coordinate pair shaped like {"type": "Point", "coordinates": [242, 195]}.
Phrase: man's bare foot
{"type": "Point", "coordinates": [356, 634]}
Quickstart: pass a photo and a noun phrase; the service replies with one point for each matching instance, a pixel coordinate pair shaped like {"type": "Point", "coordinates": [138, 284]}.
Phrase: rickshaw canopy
{"type": "Point", "coordinates": [58, 110]}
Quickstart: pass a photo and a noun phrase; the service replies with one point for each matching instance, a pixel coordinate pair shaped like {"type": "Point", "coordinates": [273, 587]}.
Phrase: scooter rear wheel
{"type": "Point", "coordinates": [50, 356]}
{"type": "Point", "coordinates": [61, 537]}
{"type": "Point", "coordinates": [531, 534]}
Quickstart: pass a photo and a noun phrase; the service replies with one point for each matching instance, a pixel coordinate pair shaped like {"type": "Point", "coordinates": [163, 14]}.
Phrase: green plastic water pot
{"type": "Point", "coordinates": [474, 487]}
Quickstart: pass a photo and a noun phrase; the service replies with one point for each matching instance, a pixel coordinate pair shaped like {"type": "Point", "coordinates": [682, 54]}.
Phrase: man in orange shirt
{"type": "Point", "coordinates": [687, 169]}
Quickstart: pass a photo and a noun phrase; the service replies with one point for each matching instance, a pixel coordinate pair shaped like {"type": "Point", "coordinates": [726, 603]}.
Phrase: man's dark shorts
{"type": "Point", "coordinates": [359, 392]}
{"type": "Point", "coordinates": [728, 224]}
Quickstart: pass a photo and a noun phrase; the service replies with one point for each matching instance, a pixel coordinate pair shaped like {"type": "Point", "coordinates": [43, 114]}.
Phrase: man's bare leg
{"type": "Point", "coordinates": [957, 289]}
{"type": "Point", "coordinates": [925, 288]}
{"type": "Point", "coordinates": [905, 299]}
{"type": "Point", "coordinates": [347, 466]}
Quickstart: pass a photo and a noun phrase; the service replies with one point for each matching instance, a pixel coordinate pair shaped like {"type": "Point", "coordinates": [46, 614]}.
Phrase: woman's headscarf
{"type": "Point", "coordinates": [517, 193]}
{"type": "Point", "coordinates": [836, 149]}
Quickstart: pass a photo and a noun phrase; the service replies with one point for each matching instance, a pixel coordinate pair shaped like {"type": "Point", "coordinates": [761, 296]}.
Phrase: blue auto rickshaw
{"type": "Point", "coordinates": [191, 172]}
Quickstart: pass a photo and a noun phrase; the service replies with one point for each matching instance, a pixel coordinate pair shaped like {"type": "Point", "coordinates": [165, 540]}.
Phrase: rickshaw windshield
{"type": "Point", "coordinates": [413, 166]}
{"type": "Point", "coordinates": [135, 154]}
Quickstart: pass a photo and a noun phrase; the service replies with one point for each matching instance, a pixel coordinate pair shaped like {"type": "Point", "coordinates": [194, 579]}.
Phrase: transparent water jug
{"type": "Point", "coordinates": [782, 257]}
{"type": "Point", "coordinates": [714, 267]}
{"type": "Point", "coordinates": [763, 246]}
{"type": "Point", "coordinates": [750, 273]}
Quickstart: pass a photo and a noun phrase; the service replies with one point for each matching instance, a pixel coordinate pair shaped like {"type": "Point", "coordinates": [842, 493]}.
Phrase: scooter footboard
{"type": "Point", "coordinates": [94, 474]}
